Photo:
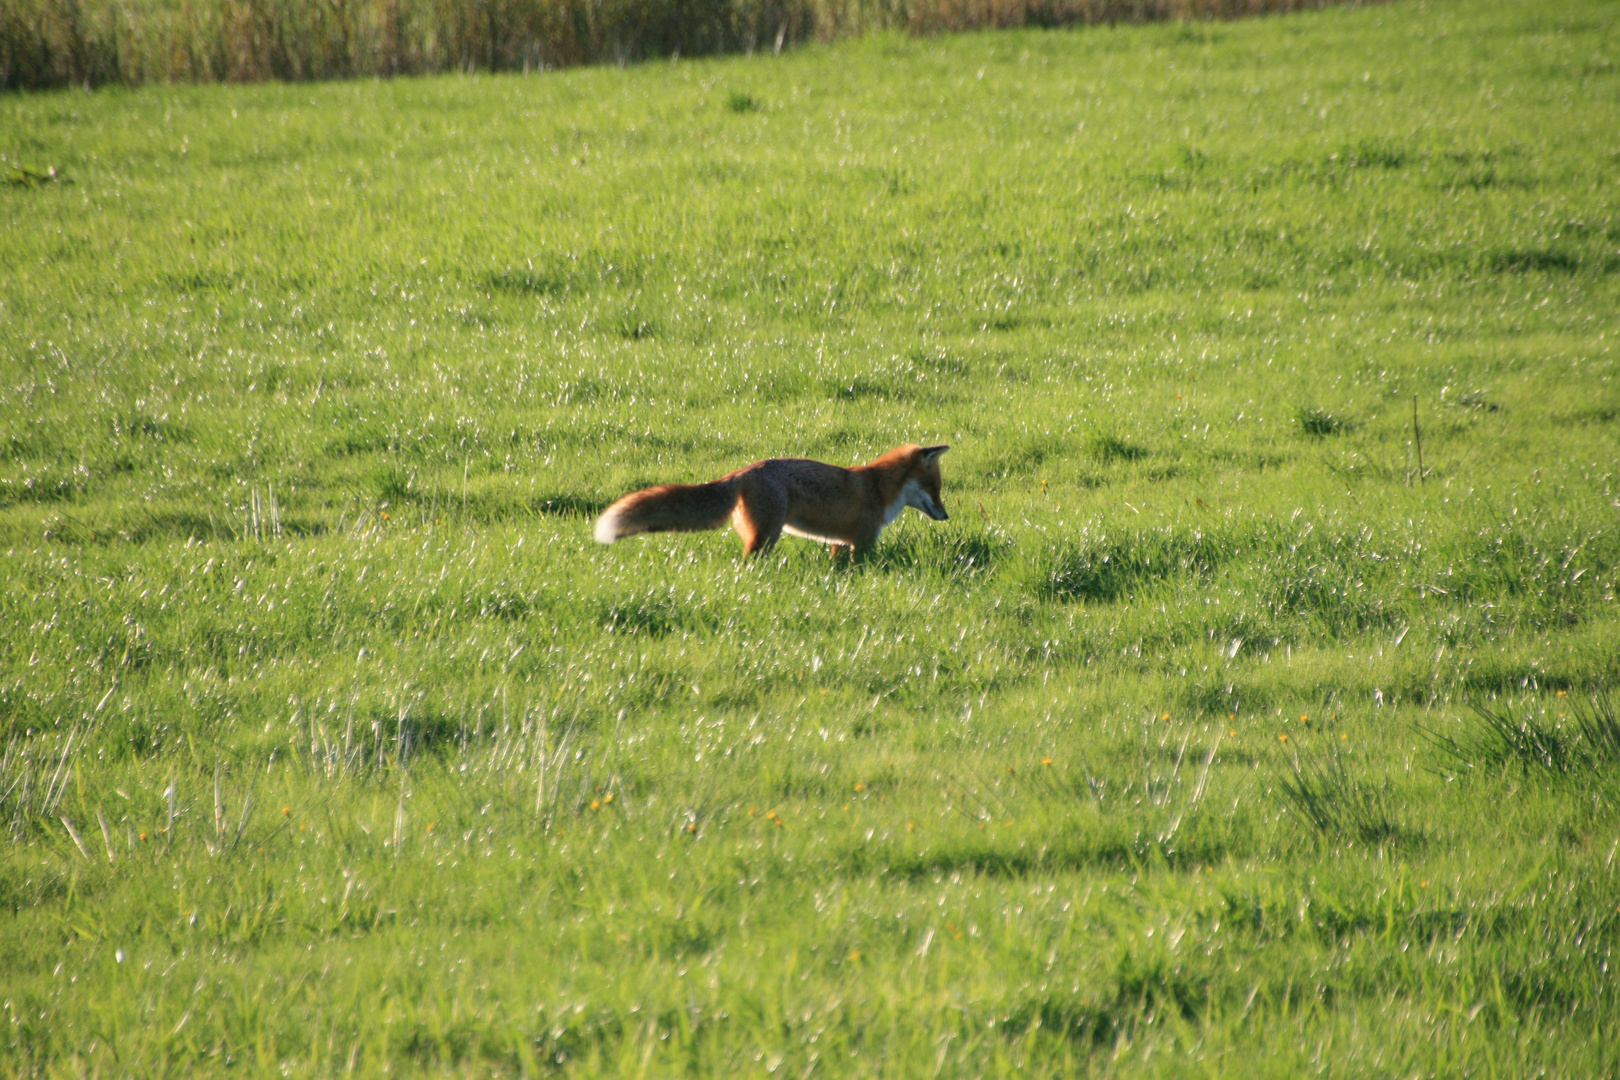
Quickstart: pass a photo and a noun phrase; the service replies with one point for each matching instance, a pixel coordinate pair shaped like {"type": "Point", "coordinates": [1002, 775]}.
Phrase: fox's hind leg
{"type": "Point", "coordinates": [758, 519]}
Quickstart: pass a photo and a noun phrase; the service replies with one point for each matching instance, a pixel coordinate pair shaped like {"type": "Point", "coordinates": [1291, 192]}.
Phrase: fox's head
{"type": "Point", "coordinates": [922, 486]}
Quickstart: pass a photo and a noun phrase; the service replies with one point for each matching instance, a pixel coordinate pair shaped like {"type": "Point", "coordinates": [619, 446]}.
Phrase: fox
{"type": "Point", "coordinates": [846, 508]}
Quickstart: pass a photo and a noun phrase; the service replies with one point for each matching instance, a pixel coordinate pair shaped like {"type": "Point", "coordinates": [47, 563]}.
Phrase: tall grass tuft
{"type": "Point", "coordinates": [54, 43]}
{"type": "Point", "coordinates": [1494, 738]}
{"type": "Point", "coordinates": [1319, 422]}
{"type": "Point", "coordinates": [1324, 795]}
{"type": "Point", "coordinates": [34, 779]}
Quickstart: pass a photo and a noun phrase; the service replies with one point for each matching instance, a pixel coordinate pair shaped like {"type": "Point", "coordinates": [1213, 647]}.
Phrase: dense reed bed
{"type": "Point", "coordinates": [46, 43]}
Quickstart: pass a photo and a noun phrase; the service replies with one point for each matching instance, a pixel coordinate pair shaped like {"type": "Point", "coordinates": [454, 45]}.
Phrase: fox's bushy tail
{"type": "Point", "coordinates": [668, 508]}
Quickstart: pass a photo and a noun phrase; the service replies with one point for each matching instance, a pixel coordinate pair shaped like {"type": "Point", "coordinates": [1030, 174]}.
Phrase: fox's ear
{"type": "Point", "coordinates": [931, 452]}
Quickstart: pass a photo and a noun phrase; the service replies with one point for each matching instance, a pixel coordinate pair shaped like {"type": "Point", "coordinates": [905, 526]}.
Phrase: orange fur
{"type": "Point", "coordinates": [846, 508]}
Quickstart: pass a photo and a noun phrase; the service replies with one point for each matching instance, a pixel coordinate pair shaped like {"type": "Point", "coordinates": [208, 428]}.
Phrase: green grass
{"type": "Point", "coordinates": [329, 741]}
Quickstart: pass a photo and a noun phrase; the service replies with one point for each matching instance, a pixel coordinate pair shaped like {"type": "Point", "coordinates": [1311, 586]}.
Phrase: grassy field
{"type": "Point", "coordinates": [331, 742]}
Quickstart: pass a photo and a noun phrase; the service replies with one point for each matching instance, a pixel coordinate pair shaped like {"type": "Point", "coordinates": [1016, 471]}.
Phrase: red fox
{"type": "Point", "coordinates": [846, 508]}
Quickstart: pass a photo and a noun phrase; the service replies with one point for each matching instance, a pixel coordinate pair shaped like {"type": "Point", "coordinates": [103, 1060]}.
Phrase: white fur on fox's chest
{"type": "Point", "coordinates": [911, 494]}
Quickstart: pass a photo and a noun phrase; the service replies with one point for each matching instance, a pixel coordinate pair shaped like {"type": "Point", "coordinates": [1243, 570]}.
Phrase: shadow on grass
{"type": "Point", "coordinates": [949, 550]}
{"type": "Point", "coordinates": [1109, 569]}
{"type": "Point", "coordinates": [565, 504]}
{"type": "Point", "coordinates": [995, 858]}
{"type": "Point", "coordinates": [148, 525]}
{"type": "Point", "coordinates": [655, 616]}
{"type": "Point", "coordinates": [1137, 991]}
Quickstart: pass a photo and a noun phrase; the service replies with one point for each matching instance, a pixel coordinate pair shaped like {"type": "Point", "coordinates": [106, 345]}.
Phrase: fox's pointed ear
{"type": "Point", "coordinates": [929, 453]}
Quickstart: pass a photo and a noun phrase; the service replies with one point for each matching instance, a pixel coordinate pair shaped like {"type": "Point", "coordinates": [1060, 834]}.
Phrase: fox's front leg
{"type": "Point", "coordinates": [842, 551]}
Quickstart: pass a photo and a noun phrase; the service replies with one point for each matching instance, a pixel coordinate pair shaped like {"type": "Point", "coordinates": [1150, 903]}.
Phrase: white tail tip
{"type": "Point", "coordinates": [607, 528]}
